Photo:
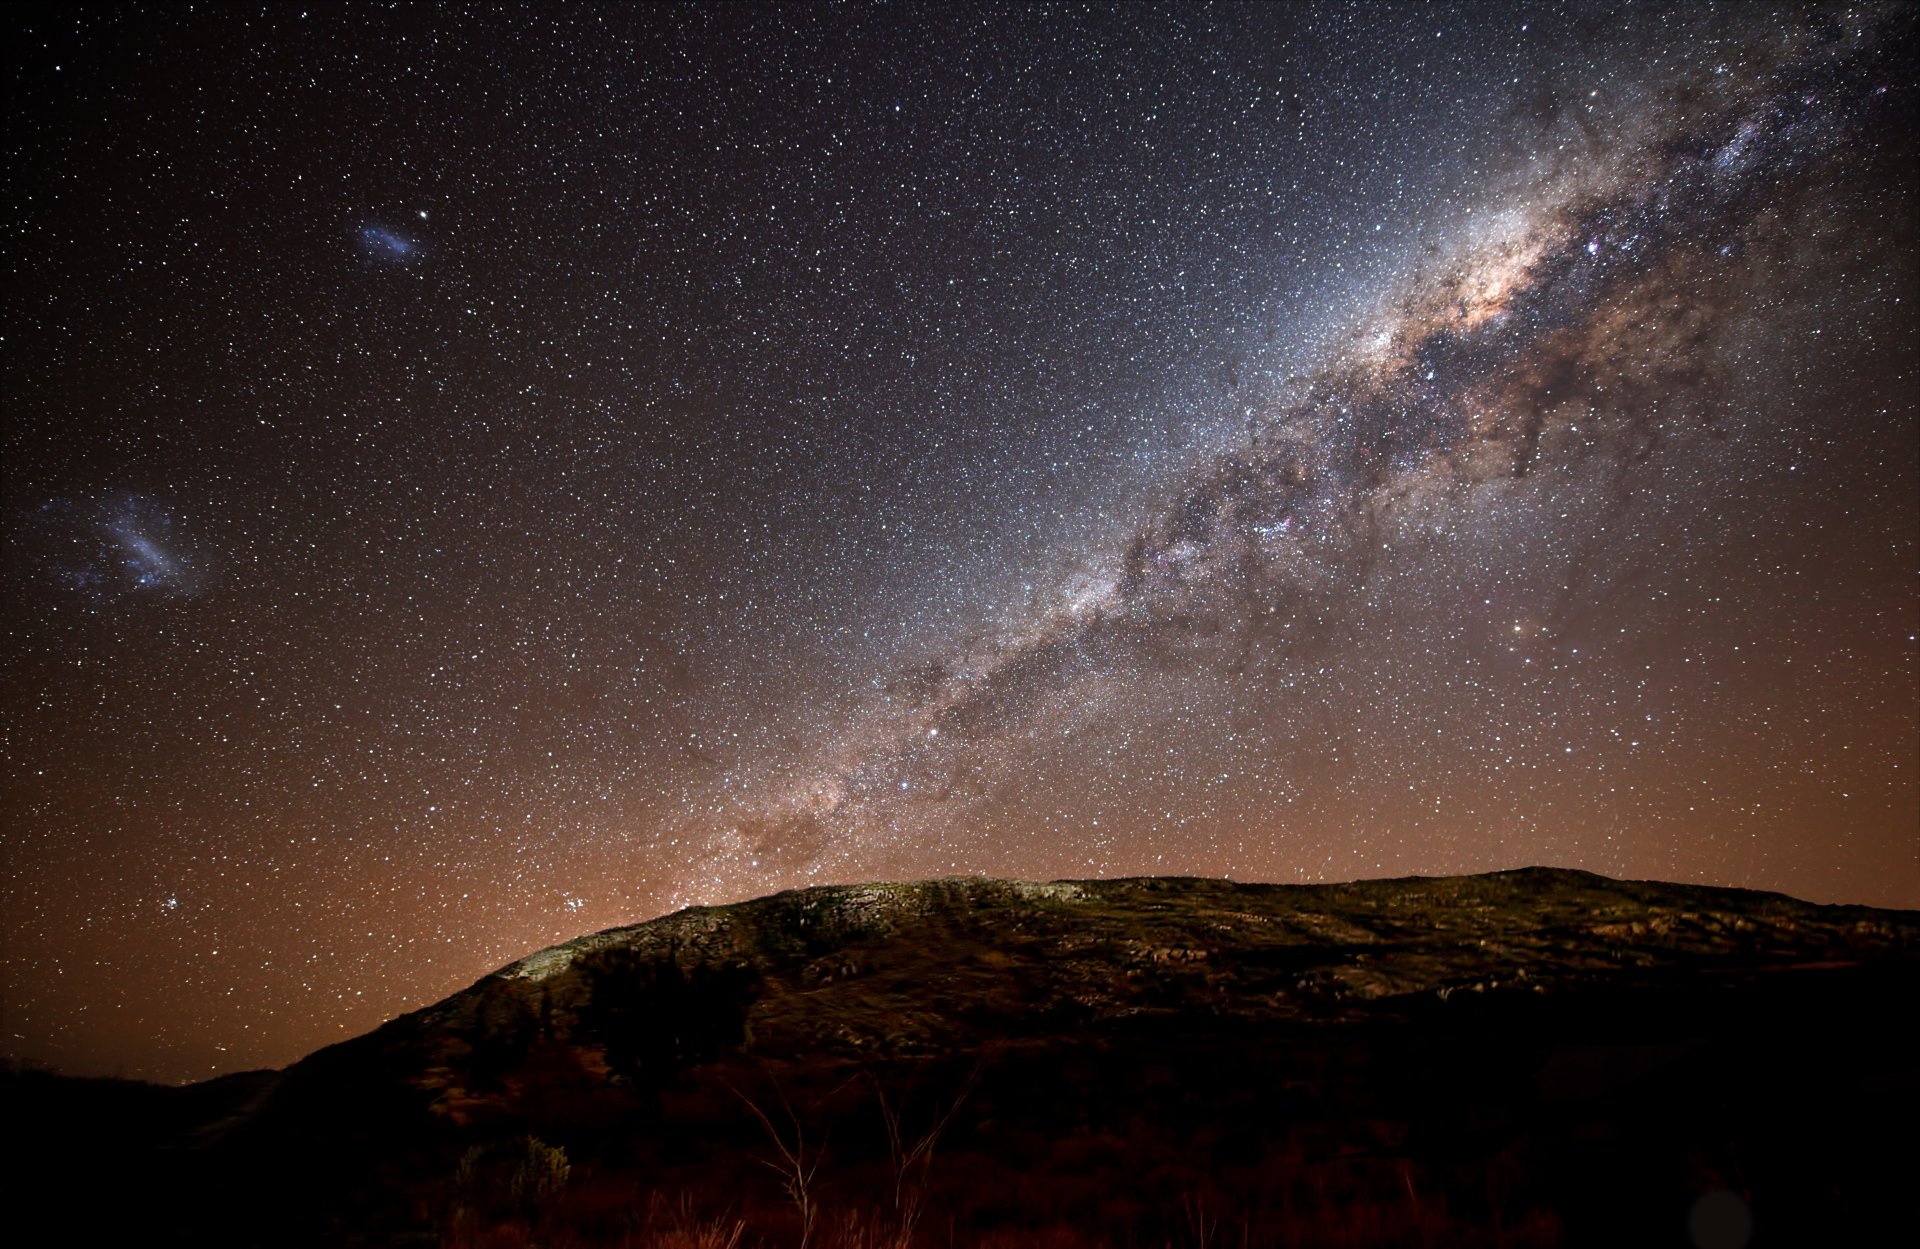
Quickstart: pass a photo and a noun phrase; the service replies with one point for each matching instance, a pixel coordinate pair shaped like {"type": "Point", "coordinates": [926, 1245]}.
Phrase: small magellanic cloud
{"type": "Point", "coordinates": [387, 246]}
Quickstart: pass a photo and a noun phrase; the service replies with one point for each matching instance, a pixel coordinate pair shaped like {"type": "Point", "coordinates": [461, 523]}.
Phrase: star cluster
{"type": "Point", "coordinates": [473, 478]}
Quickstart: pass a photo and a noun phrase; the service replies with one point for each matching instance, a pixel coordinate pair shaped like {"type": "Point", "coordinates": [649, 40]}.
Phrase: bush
{"type": "Point", "coordinates": [504, 1183]}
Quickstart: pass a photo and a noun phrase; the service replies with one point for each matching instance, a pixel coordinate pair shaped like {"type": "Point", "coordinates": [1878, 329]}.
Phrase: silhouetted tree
{"type": "Point", "coordinates": [656, 1016]}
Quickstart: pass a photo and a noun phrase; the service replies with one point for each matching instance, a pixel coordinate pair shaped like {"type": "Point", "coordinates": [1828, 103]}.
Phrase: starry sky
{"type": "Point", "coordinates": [474, 477]}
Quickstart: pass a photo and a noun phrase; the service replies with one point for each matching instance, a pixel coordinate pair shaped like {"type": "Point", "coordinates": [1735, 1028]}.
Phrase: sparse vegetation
{"type": "Point", "coordinates": [795, 1163]}
{"type": "Point", "coordinates": [911, 1155]}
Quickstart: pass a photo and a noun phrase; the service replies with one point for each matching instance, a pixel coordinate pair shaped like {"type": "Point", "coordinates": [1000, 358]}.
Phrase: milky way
{"type": "Point", "coordinates": [613, 460]}
{"type": "Point", "coordinates": [1569, 343]}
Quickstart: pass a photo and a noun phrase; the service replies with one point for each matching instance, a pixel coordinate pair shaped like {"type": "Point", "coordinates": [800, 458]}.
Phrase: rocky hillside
{"type": "Point", "coordinates": [1529, 1057]}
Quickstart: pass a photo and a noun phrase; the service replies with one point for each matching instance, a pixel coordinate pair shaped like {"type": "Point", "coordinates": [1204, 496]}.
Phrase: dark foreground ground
{"type": "Point", "coordinates": [1526, 1058]}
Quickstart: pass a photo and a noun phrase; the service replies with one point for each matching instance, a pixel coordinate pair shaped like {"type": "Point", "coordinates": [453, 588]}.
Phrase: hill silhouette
{"type": "Point", "coordinates": [1531, 1057]}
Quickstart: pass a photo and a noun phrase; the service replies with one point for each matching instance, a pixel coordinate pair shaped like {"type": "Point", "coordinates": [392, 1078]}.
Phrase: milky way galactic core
{"type": "Point", "coordinates": [474, 481]}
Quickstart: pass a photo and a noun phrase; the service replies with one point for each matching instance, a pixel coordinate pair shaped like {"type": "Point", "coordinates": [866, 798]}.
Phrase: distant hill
{"type": "Point", "coordinates": [1527, 1057]}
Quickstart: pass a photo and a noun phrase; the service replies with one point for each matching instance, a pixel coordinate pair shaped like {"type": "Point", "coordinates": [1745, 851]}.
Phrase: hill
{"type": "Point", "coordinates": [1527, 1057]}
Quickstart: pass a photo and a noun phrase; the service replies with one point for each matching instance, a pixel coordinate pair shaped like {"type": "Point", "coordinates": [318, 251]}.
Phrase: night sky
{"type": "Point", "coordinates": [473, 478]}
